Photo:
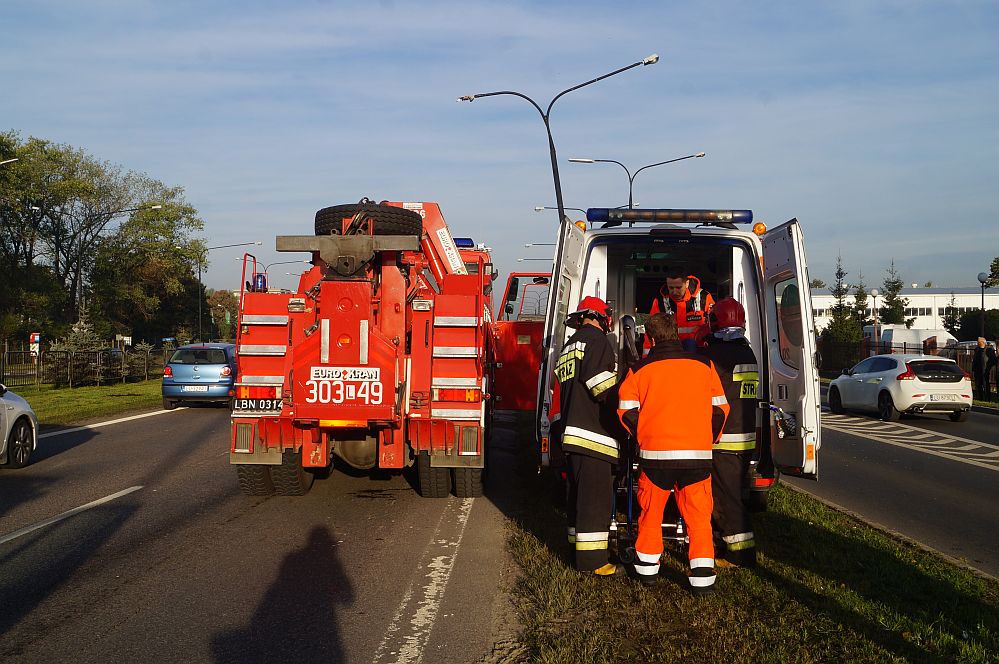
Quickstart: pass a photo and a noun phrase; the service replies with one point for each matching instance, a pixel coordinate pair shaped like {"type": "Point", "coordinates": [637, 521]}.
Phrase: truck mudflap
{"type": "Point", "coordinates": [264, 440]}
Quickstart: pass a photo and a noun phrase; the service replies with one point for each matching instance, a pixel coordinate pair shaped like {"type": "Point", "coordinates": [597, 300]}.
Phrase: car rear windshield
{"type": "Point", "coordinates": [198, 356]}
{"type": "Point", "coordinates": [937, 371]}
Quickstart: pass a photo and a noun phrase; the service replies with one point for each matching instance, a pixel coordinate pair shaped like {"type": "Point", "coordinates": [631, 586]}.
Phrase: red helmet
{"type": "Point", "coordinates": [727, 313]}
{"type": "Point", "coordinates": [591, 307]}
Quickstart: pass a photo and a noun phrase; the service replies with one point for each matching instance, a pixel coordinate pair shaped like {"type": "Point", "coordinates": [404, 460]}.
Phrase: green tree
{"type": "Point", "coordinates": [223, 309]}
{"type": "Point", "coordinates": [143, 281]}
{"type": "Point", "coordinates": [971, 323]}
{"type": "Point", "coordinates": [952, 318]}
{"type": "Point", "coordinates": [860, 302]}
{"type": "Point", "coordinates": [817, 283]}
{"type": "Point", "coordinates": [993, 274]}
{"type": "Point", "coordinates": [892, 309]}
{"type": "Point", "coordinates": [842, 336]}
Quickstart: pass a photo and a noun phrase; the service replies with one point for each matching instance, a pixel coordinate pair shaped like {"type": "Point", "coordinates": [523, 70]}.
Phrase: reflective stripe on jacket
{"type": "Point", "coordinates": [585, 379]}
{"type": "Point", "coordinates": [740, 377]}
{"type": "Point", "coordinates": [674, 405]}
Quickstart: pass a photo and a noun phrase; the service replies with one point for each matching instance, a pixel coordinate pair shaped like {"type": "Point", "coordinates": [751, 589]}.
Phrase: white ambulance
{"type": "Point", "coordinates": [623, 256]}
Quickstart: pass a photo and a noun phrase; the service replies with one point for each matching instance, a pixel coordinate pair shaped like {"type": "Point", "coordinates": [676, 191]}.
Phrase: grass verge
{"type": "Point", "coordinates": [827, 588]}
{"type": "Point", "coordinates": [58, 407]}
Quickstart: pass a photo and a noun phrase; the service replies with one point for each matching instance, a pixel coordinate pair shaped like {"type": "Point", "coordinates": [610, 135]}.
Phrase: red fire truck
{"type": "Point", "coordinates": [381, 358]}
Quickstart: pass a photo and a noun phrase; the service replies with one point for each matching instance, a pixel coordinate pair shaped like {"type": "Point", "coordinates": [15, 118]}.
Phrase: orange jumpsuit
{"type": "Point", "coordinates": [674, 405]}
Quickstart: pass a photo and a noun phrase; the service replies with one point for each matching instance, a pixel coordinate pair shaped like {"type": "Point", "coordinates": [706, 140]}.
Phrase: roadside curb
{"type": "Point", "coordinates": [960, 562]}
{"type": "Point", "coordinates": [988, 410]}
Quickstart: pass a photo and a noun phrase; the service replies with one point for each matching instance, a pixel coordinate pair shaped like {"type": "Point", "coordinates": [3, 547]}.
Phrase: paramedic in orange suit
{"type": "Point", "coordinates": [683, 298]}
{"type": "Point", "coordinates": [674, 405]}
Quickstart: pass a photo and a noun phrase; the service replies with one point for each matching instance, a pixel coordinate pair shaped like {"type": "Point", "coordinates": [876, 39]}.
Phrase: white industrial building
{"type": "Point", "coordinates": [926, 305]}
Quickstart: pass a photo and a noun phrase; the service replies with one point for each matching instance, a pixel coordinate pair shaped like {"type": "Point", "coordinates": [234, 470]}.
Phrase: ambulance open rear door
{"type": "Point", "coordinates": [795, 409]}
{"type": "Point", "coordinates": [566, 283]}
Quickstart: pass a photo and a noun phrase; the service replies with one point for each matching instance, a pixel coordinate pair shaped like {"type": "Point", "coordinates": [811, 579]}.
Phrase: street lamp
{"type": "Point", "coordinates": [546, 116]}
{"type": "Point", "coordinates": [631, 178]}
{"type": "Point", "coordinates": [142, 207]}
{"type": "Point", "coordinates": [521, 260]}
{"type": "Point", "coordinates": [7, 161]}
{"type": "Point", "coordinates": [539, 244]}
{"type": "Point", "coordinates": [877, 339]}
{"type": "Point", "coordinates": [983, 278]}
{"type": "Point", "coordinates": [200, 287]}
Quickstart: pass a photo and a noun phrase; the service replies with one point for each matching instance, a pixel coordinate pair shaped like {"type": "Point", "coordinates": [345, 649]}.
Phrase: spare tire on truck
{"type": "Point", "coordinates": [386, 219]}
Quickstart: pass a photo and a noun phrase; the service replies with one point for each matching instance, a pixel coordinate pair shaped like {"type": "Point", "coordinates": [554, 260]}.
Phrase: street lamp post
{"type": "Point", "coordinates": [631, 177]}
{"type": "Point", "coordinates": [7, 161]}
{"type": "Point", "coordinates": [877, 339]}
{"type": "Point", "coordinates": [200, 287]}
{"type": "Point", "coordinates": [983, 278]}
{"type": "Point", "coordinates": [546, 116]}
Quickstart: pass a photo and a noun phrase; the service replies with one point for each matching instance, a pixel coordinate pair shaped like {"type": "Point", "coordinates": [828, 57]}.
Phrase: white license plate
{"type": "Point", "coordinates": [194, 388]}
{"type": "Point", "coordinates": [944, 397]}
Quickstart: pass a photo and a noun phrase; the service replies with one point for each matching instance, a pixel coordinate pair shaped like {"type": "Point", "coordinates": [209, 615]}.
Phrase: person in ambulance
{"type": "Point", "coordinates": [683, 298]}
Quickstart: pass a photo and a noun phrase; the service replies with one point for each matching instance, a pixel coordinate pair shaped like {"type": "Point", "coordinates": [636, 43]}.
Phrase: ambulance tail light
{"type": "Point", "coordinates": [762, 482]}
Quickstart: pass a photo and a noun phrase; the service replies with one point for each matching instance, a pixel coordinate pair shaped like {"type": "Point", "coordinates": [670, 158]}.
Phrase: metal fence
{"type": "Point", "coordinates": [79, 368]}
{"type": "Point", "coordinates": [838, 356]}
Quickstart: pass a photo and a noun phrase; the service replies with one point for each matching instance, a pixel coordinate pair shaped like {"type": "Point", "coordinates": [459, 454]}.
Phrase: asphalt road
{"type": "Point", "coordinates": [929, 479]}
{"type": "Point", "coordinates": [178, 566]}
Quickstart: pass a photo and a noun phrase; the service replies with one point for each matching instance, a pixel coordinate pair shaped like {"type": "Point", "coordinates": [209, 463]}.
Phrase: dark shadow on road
{"type": "Point", "coordinates": [56, 445]}
{"type": "Point", "coordinates": [296, 621]}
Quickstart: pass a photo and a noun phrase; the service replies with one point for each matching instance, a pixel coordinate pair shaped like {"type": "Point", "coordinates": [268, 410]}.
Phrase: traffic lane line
{"type": "Point", "coordinates": [409, 631]}
{"type": "Point", "coordinates": [65, 515]}
{"type": "Point", "coordinates": [98, 425]}
{"type": "Point", "coordinates": [955, 448]}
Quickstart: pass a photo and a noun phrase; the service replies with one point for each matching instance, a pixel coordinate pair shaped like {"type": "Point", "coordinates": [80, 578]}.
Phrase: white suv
{"type": "Point", "coordinates": [894, 384]}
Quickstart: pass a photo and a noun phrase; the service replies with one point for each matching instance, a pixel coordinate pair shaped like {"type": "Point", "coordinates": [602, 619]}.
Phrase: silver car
{"type": "Point", "coordinates": [20, 430]}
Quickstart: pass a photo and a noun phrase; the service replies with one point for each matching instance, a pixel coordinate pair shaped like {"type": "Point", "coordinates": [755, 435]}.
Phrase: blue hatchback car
{"type": "Point", "coordinates": [200, 372]}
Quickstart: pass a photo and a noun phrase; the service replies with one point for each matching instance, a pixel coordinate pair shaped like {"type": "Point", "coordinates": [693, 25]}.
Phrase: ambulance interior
{"type": "Point", "coordinates": [628, 272]}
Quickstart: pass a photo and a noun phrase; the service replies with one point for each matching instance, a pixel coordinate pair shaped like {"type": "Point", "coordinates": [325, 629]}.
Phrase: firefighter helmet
{"type": "Point", "coordinates": [591, 307]}
{"type": "Point", "coordinates": [727, 313]}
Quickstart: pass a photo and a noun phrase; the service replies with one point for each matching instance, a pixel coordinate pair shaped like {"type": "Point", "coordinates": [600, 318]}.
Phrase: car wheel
{"type": "Point", "coordinates": [835, 401]}
{"type": "Point", "coordinates": [169, 405]}
{"type": "Point", "coordinates": [886, 408]}
{"type": "Point", "coordinates": [959, 416]}
{"type": "Point", "coordinates": [19, 445]}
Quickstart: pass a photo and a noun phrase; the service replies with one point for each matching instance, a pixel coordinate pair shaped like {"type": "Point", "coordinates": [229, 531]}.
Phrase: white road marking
{"type": "Point", "coordinates": [955, 448]}
{"type": "Point", "coordinates": [407, 634]}
{"type": "Point", "coordinates": [65, 515]}
{"type": "Point", "coordinates": [98, 425]}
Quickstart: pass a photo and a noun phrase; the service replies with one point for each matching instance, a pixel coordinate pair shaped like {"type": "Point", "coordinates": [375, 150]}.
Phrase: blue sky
{"type": "Point", "coordinates": [876, 124]}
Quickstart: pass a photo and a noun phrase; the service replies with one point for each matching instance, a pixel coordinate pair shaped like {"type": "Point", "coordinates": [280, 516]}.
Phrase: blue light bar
{"type": "Point", "coordinates": [464, 243]}
{"type": "Point", "coordinates": [617, 216]}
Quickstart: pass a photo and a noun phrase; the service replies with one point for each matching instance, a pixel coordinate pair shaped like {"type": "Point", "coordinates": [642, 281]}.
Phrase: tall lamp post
{"type": "Point", "coordinates": [546, 116]}
{"type": "Point", "coordinates": [877, 338]}
{"type": "Point", "coordinates": [631, 177]}
{"type": "Point", "coordinates": [200, 287]}
{"type": "Point", "coordinates": [983, 278]}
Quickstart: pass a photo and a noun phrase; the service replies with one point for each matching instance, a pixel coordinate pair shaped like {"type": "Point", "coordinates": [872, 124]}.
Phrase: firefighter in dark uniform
{"type": "Point", "coordinates": [583, 412]}
{"type": "Point", "coordinates": [730, 352]}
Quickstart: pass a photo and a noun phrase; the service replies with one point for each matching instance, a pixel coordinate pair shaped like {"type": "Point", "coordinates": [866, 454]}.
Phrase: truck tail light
{"type": "Point", "coordinates": [468, 395]}
{"type": "Point", "coordinates": [907, 374]}
{"type": "Point", "coordinates": [167, 372]}
{"type": "Point", "coordinates": [258, 392]}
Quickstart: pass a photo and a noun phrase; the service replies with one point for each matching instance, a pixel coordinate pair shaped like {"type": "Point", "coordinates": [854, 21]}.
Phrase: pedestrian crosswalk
{"type": "Point", "coordinates": [965, 450]}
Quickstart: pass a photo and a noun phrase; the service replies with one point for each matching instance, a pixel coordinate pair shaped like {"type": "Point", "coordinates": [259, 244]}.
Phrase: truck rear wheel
{"type": "Point", "coordinates": [386, 219]}
{"type": "Point", "coordinates": [468, 482]}
{"type": "Point", "coordinates": [290, 479]}
{"type": "Point", "coordinates": [434, 482]}
{"type": "Point", "coordinates": [254, 480]}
